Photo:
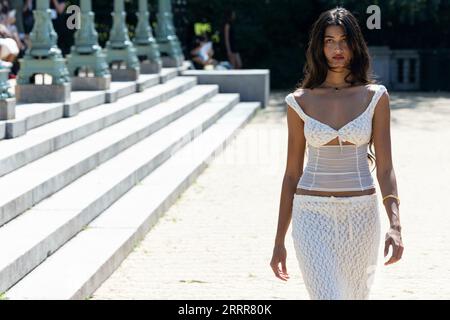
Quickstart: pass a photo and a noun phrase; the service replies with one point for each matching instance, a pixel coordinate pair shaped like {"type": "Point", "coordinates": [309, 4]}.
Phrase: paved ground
{"type": "Point", "coordinates": [216, 241]}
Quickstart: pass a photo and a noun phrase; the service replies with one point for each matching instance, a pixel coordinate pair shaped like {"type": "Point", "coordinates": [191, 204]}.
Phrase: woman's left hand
{"type": "Point", "coordinates": [394, 238]}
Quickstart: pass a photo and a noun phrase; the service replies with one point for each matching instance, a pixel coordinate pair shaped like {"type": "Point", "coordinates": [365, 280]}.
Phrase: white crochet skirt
{"type": "Point", "coordinates": [336, 240]}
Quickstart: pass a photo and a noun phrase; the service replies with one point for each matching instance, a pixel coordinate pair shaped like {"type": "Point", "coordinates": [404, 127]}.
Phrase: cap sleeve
{"type": "Point", "coordinates": [292, 102]}
{"type": "Point", "coordinates": [381, 89]}
{"type": "Point", "coordinates": [376, 97]}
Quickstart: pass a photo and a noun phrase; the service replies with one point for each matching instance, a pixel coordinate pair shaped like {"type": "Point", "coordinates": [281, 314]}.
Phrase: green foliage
{"type": "Point", "coordinates": [201, 28]}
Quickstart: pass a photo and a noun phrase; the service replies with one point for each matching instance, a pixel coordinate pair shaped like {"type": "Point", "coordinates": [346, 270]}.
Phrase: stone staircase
{"type": "Point", "coordinates": [82, 182]}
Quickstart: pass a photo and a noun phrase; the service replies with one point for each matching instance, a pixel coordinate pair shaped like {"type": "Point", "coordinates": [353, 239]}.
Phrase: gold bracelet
{"type": "Point", "coordinates": [392, 196]}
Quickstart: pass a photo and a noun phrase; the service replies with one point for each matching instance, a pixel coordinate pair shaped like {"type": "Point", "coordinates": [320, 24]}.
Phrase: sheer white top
{"type": "Point", "coordinates": [343, 167]}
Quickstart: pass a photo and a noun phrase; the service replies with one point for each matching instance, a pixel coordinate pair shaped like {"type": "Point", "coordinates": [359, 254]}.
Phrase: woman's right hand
{"type": "Point", "coordinates": [279, 256]}
{"type": "Point", "coordinates": [393, 238]}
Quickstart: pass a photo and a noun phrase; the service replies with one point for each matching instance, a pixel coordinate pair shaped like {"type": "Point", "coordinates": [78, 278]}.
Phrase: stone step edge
{"type": "Point", "coordinates": [21, 158]}
{"type": "Point", "coordinates": [17, 127]}
{"type": "Point", "coordinates": [14, 206]}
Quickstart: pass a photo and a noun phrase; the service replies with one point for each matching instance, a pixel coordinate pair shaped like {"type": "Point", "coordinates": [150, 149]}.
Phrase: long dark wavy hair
{"type": "Point", "coordinates": [316, 67]}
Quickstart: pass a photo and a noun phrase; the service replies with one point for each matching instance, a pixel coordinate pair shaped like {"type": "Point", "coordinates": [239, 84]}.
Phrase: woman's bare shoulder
{"type": "Point", "coordinates": [372, 88]}
{"type": "Point", "coordinates": [301, 94]}
{"type": "Point", "coordinates": [301, 91]}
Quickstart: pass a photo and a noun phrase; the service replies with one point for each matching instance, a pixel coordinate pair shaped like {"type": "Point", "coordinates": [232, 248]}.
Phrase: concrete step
{"type": "Point", "coordinates": [33, 115]}
{"type": "Point", "coordinates": [24, 187]}
{"type": "Point", "coordinates": [41, 230]}
{"type": "Point", "coordinates": [169, 73]}
{"type": "Point", "coordinates": [81, 265]}
{"type": "Point", "coordinates": [15, 153]}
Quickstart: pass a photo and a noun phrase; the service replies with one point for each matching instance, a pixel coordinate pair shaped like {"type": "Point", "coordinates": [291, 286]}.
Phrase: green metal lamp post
{"type": "Point", "coordinates": [120, 52]}
{"type": "Point", "coordinates": [87, 62]}
{"type": "Point", "coordinates": [43, 75]}
{"type": "Point", "coordinates": [169, 45]}
{"type": "Point", "coordinates": [7, 99]}
{"type": "Point", "coordinates": [146, 46]}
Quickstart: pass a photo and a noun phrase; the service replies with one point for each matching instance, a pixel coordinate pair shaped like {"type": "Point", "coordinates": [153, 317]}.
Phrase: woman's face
{"type": "Point", "coordinates": [336, 47]}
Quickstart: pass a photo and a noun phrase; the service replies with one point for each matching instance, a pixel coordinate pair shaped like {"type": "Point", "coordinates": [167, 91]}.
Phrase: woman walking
{"type": "Point", "coordinates": [340, 113]}
{"type": "Point", "coordinates": [229, 39]}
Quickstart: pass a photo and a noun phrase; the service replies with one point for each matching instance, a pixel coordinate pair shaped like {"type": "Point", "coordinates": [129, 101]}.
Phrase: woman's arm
{"type": "Point", "coordinates": [59, 6]}
{"type": "Point", "coordinates": [227, 37]}
{"type": "Point", "coordinates": [385, 169]}
{"type": "Point", "coordinates": [293, 172]}
{"type": "Point", "coordinates": [386, 175]}
{"type": "Point", "coordinates": [27, 6]}
{"type": "Point", "coordinates": [194, 52]}
{"type": "Point", "coordinates": [195, 56]}
{"type": "Point", "coordinates": [20, 45]}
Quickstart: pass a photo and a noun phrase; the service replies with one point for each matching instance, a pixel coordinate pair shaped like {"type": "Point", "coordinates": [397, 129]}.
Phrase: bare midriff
{"type": "Point", "coordinates": [335, 193]}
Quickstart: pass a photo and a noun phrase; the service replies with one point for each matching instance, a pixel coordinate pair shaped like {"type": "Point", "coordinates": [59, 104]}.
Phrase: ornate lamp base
{"type": "Point", "coordinates": [170, 55]}
{"type": "Point", "coordinates": [34, 93]}
{"type": "Point", "coordinates": [118, 58]}
{"type": "Point", "coordinates": [30, 92]}
{"type": "Point", "coordinates": [151, 67]}
{"type": "Point", "coordinates": [96, 63]}
{"type": "Point", "coordinates": [91, 83]}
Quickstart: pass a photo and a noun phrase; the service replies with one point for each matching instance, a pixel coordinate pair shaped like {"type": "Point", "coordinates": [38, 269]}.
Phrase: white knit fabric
{"type": "Point", "coordinates": [338, 167]}
{"type": "Point", "coordinates": [336, 240]}
{"type": "Point", "coordinates": [356, 131]}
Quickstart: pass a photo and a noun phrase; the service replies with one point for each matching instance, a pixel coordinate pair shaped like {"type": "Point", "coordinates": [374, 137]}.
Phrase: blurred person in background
{"type": "Point", "coordinates": [202, 53]}
{"type": "Point", "coordinates": [229, 40]}
{"type": "Point", "coordinates": [8, 19]}
{"type": "Point", "coordinates": [8, 48]}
